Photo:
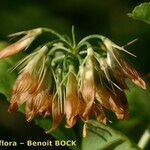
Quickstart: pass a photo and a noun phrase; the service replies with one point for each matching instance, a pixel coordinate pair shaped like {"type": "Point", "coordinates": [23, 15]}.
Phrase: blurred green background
{"type": "Point", "coordinates": [107, 17]}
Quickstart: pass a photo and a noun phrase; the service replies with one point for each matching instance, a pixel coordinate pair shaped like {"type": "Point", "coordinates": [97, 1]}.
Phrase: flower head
{"type": "Point", "coordinates": [76, 81]}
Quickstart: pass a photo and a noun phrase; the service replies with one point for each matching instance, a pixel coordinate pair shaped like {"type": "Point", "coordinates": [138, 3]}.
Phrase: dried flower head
{"type": "Point", "coordinates": [63, 78]}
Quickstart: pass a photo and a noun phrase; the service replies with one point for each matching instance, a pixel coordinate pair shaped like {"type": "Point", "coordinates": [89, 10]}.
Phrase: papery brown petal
{"type": "Point", "coordinates": [13, 107]}
{"type": "Point", "coordinates": [56, 115]}
{"type": "Point", "coordinates": [71, 122]}
{"type": "Point", "coordinates": [82, 107]}
{"type": "Point", "coordinates": [119, 76]}
{"type": "Point", "coordinates": [25, 82]}
{"type": "Point", "coordinates": [122, 102]}
{"type": "Point", "coordinates": [87, 82]}
{"type": "Point", "coordinates": [18, 99]}
{"type": "Point", "coordinates": [132, 74]}
{"type": "Point", "coordinates": [30, 115]}
{"type": "Point", "coordinates": [72, 108]}
{"type": "Point", "coordinates": [46, 109]}
{"type": "Point", "coordinates": [72, 105]}
{"type": "Point", "coordinates": [29, 110]}
{"type": "Point", "coordinates": [41, 102]}
{"type": "Point", "coordinates": [38, 99]}
{"type": "Point", "coordinates": [99, 113]}
{"type": "Point", "coordinates": [15, 48]}
{"type": "Point", "coordinates": [103, 96]}
{"type": "Point", "coordinates": [21, 90]}
{"type": "Point", "coordinates": [21, 84]}
{"type": "Point", "coordinates": [14, 103]}
{"type": "Point", "coordinates": [116, 103]}
{"type": "Point", "coordinates": [23, 97]}
{"type": "Point", "coordinates": [88, 90]}
{"type": "Point", "coordinates": [113, 73]}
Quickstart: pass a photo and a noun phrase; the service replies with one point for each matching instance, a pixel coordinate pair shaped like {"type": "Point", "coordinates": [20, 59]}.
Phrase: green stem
{"type": "Point", "coordinates": [85, 43]}
{"type": "Point", "coordinates": [144, 139]}
{"type": "Point", "coordinates": [73, 38]}
{"type": "Point", "coordinates": [57, 49]}
{"type": "Point", "coordinates": [97, 36]}
{"type": "Point", "coordinates": [57, 34]}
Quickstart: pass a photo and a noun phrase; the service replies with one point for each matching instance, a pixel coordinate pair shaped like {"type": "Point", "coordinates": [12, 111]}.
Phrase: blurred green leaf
{"type": "Point", "coordinates": [7, 77]}
{"type": "Point", "coordinates": [101, 137]}
{"type": "Point", "coordinates": [141, 12]}
{"type": "Point", "coordinates": [138, 100]}
{"type": "Point", "coordinates": [3, 44]}
{"type": "Point", "coordinates": [60, 133]}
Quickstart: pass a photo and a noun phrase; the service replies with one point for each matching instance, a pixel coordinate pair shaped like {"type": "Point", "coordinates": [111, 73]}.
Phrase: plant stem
{"type": "Point", "coordinates": [97, 36]}
{"type": "Point", "coordinates": [73, 38]}
{"type": "Point", "coordinates": [57, 34]}
{"type": "Point", "coordinates": [144, 139]}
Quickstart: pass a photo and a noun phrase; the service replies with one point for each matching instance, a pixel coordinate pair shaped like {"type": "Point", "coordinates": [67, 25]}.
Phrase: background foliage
{"type": "Point", "coordinates": [108, 18]}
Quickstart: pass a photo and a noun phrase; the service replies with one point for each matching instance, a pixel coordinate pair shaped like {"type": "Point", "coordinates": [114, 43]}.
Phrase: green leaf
{"type": "Point", "coordinates": [101, 137]}
{"type": "Point", "coordinates": [7, 77]}
{"type": "Point", "coordinates": [61, 133]}
{"type": "Point", "coordinates": [138, 100]}
{"type": "Point", "coordinates": [141, 12]}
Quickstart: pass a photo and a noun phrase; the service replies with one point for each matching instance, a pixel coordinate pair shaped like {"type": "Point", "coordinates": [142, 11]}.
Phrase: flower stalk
{"type": "Point", "coordinates": [144, 139]}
